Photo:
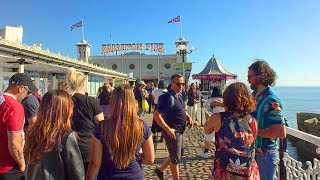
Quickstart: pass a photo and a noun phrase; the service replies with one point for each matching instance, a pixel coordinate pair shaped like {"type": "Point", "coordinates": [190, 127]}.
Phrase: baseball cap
{"type": "Point", "coordinates": [21, 79]}
{"type": "Point", "coordinates": [142, 83]}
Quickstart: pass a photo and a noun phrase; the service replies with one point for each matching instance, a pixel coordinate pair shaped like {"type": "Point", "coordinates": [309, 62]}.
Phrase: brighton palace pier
{"type": "Point", "coordinates": [120, 63]}
{"type": "Point", "coordinates": [48, 69]}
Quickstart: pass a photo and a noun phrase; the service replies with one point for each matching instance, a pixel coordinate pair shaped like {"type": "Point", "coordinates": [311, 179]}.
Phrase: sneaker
{"type": "Point", "coordinates": [204, 155]}
{"type": "Point", "coordinates": [161, 139]}
{"type": "Point", "coordinates": [158, 173]}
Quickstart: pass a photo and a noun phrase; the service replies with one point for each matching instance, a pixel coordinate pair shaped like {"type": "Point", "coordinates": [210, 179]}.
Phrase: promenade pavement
{"type": "Point", "coordinates": [192, 165]}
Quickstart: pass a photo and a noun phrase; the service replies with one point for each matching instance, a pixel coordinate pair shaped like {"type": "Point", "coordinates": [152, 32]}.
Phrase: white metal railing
{"type": "Point", "coordinates": [294, 168]}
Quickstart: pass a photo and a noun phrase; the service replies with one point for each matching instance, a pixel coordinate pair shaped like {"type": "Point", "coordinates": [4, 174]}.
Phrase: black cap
{"type": "Point", "coordinates": [21, 79]}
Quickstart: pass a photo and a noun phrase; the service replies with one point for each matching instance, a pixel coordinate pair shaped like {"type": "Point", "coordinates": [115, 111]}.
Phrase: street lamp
{"type": "Point", "coordinates": [183, 50]}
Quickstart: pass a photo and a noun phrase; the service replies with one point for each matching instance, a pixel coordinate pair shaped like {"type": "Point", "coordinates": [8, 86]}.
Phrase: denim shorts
{"type": "Point", "coordinates": [174, 146]}
{"type": "Point", "coordinates": [267, 164]}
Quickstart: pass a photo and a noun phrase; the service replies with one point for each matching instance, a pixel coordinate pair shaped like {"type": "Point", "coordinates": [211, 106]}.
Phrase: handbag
{"type": "Point", "coordinates": [190, 103]}
{"type": "Point", "coordinates": [145, 105]}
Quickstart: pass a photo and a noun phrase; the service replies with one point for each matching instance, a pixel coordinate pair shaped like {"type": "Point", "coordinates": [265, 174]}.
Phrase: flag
{"type": "Point", "coordinates": [176, 19]}
{"type": "Point", "coordinates": [78, 24]}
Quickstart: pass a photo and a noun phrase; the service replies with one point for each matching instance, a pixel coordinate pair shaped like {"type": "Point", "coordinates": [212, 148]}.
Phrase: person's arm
{"type": "Point", "coordinates": [190, 120]}
{"type": "Point", "coordinates": [217, 103]}
{"type": "Point", "coordinates": [15, 146]}
{"type": "Point", "coordinates": [213, 123]}
{"type": "Point", "coordinates": [97, 111]}
{"type": "Point", "coordinates": [32, 120]}
{"type": "Point", "coordinates": [275, 131]}
{"type": "Point", "coordinates": [72, 158]}
{"type": "Point", "coordinates": [147, 155]}
{"type": "Point", "coordinates": [274, 117]}
{"type": "Point", "coordinates": [158, 118]}
{"type": "Point", "coordinates": [95, 159]}
{"type": "Point", "coordinates": [99, 117]}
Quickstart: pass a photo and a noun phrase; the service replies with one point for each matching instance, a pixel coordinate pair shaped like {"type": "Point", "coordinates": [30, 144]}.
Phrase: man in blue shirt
{"type": "Point", "coordinates": [269, 117]}
{"type": "Point", "coordinates": [172, 117]}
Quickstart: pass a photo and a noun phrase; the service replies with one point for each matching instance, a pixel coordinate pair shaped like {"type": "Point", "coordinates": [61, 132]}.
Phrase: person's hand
{"type": "Point", "coordinates": [215, 103]}
{"type": "Point", "coordinates": [172, 133]}
{"type": "Point", "coordinates": [207, 115]}
{"type": "Point", "coordinates": [190, 123]}
{"type": "Point", "coordinates": [22, 167]}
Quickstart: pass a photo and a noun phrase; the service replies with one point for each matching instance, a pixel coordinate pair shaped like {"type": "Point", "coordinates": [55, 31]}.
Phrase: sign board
{"type": "Point", "coordinates": [157, 47]}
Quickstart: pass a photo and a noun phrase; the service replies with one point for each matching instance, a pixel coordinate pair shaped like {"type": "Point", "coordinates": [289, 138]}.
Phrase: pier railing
{"type": "Point", "coordinates": [290, 168]}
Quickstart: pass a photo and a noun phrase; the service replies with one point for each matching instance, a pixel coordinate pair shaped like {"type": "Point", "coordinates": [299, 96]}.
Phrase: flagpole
{"type": "Point", "coordinates": [82, 29]}
{"type": "Point", "coordinates": [180, 26]}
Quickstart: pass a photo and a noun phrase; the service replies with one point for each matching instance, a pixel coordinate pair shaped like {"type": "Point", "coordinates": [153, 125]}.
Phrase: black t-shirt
{"type": "Point", "coordinates": [31, 106]}
{"type": "Point", "coordinates": [85, 108]}
{"type": "Point", "coordinates": [173, 109]}
{"type": "Point", "coordinates": [104, 97]}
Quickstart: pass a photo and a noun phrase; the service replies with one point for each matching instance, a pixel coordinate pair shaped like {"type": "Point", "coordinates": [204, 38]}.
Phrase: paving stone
{"type": "Point", "coordinates": [192, 165]}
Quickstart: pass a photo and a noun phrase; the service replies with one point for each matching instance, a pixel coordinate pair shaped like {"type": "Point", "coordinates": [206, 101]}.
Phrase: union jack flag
{"type": "Point", "coordinates": [78, 24]}
{"type": "Point", "coordinates": [176, 19]}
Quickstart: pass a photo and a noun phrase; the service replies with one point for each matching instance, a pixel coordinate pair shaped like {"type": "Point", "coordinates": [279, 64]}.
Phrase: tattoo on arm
{"type": "Point", "coordinates": [19, 154]}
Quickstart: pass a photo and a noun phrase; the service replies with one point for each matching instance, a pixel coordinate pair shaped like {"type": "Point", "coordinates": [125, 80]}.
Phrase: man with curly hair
{"type": "Point", "coordinates": [269, 117]}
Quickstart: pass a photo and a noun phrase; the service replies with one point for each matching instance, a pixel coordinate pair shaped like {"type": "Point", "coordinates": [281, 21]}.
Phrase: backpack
{"type": "Point", "coordinates": [235, 145]}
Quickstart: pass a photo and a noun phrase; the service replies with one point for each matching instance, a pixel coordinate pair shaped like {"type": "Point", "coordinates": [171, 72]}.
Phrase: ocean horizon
{"type": "Point", "coordinates": [298, 99]}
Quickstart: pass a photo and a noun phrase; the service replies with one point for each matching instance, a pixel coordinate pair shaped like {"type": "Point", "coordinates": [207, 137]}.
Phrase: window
{"type": "Point", "coordinates": [114, 66]}
{"type": "Point", "coordinates": [132, 66]}
{"type": "Point", "coordinates": [149, 66]}
{"type": "Point", "coordinates": [167, 66]}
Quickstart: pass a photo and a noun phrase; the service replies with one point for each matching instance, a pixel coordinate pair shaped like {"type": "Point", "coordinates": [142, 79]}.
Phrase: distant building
{"type": "Point", "coordinates": [143, 66]}
{"type": "Point", "coordinates": [48, 68]}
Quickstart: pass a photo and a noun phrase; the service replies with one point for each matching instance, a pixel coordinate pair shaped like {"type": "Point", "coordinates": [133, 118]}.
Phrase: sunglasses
{"type": "Point", "coordinates": [250, 76]}
{"type": "Point", "coordinates": [27, 89]}
{"type": "Point", "coordinates": [179, 84]}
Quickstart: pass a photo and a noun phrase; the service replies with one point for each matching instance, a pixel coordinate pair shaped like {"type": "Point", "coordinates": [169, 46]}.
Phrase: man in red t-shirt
{"type": "Point", "coordinates": [12, 163]}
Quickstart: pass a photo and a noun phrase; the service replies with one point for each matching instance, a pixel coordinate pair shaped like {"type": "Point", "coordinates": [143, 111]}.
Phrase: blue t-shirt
{"type": "Point", "coordinates": [173, 109]}
{"type": "Point", "coordinates": [108, 169]}
{"type": "Point", "coordinates": [271, 114]}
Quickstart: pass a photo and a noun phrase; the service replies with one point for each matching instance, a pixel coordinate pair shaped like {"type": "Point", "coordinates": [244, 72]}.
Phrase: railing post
{"type": "Point", "coordinates": [282, 149]}
{"type": "Point", "coordinates": [201, 107]}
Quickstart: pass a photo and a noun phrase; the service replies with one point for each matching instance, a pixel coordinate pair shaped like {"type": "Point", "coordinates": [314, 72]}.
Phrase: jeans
{"type": "Point", "coordinates": [192, 111]}
{"type": "Point", "coordinates": [267, 163]}
{"type": "Point", "coordinates": [141, 113]}
{"type": "Point", "coordinates": [13, 174]}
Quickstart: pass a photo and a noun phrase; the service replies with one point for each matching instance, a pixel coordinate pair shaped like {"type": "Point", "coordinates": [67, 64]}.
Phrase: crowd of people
{"type": "Point", "coordinates": [70, 135]}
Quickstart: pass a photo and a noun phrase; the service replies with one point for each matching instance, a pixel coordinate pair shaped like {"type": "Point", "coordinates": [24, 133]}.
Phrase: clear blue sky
{"type": "Point", "coordinates": [284, 32]}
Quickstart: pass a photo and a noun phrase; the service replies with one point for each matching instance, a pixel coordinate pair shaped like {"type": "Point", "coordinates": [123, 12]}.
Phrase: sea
{"type": "Point", "coordinates": [297, 99]}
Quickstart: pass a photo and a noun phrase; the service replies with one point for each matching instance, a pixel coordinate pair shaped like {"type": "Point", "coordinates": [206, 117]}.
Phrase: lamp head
{"type": "Point", "coordinates": [181, 47]}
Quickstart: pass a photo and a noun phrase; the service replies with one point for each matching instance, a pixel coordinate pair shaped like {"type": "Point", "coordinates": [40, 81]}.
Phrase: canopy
{"type": "Point", "coordinates": [214, 71]}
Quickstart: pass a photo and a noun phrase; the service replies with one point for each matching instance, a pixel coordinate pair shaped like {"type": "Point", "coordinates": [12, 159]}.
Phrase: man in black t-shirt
{"type": "Point", "coordinates": [171, 115]}
{"type": "Point", "coordinates": [31, 106]}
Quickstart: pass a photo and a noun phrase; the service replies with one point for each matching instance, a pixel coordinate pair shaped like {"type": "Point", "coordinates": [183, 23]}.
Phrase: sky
{"type": "Point", "coordinates": [286, 33]}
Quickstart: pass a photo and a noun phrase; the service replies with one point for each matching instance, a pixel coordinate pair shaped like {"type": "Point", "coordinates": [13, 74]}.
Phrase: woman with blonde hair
{"type": "Point", "coordinates": [87, 112]}
{"type": "Point", "coordinates": [51, 149]}
{"type": "Point", "coordinates": [122, 142]}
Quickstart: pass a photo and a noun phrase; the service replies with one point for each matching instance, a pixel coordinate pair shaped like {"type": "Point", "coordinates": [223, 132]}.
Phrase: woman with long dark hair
{"type": "Point", "coordinates": [51, 149]}
{"type": "Point", "coordinates": [122, 142]}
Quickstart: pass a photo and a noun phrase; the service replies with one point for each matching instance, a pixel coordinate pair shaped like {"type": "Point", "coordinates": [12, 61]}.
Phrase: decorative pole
{"type": "Point", "coordinates": [82, 29]}
{"type": "Point", "coordinates": [180, 26]}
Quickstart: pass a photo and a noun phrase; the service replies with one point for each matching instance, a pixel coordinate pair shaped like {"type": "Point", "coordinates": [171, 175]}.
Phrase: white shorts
{"type": "Point", "coordinates": [209, 137]}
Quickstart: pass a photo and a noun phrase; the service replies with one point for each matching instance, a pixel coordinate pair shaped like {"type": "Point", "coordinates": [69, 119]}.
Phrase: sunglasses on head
{"type": "Point", "coordinates": [179, 84]}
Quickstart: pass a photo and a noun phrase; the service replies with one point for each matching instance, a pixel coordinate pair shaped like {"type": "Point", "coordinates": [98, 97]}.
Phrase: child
{"type": "Point", "coordinates": [215, 96]}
